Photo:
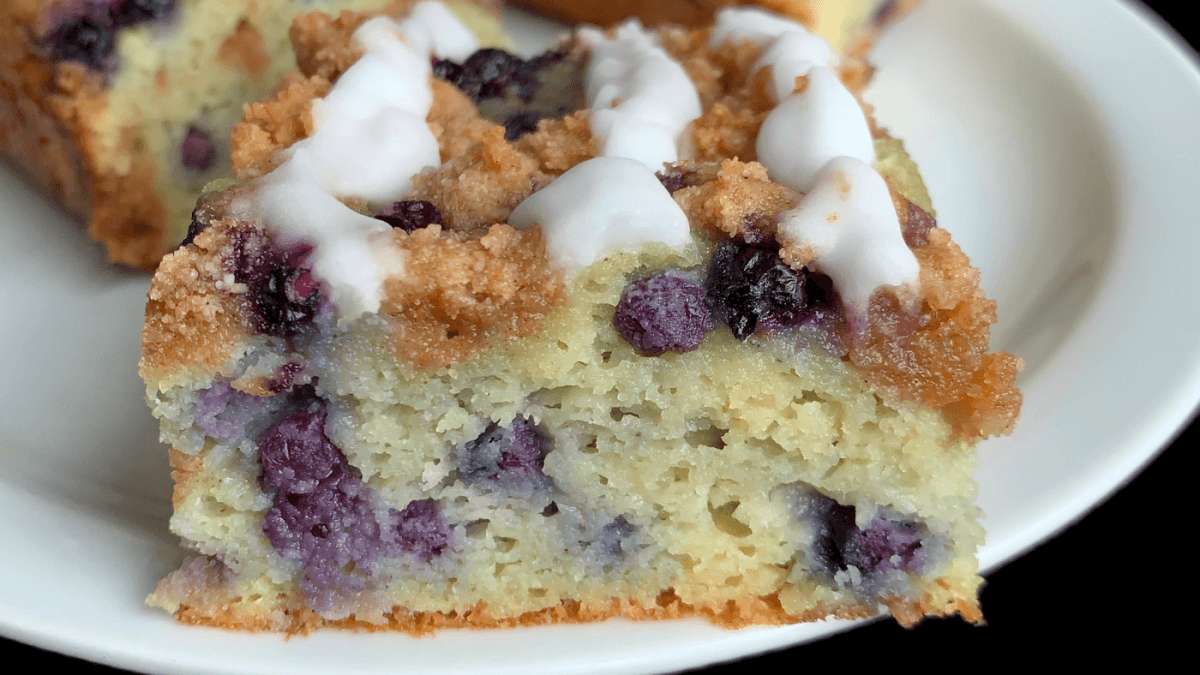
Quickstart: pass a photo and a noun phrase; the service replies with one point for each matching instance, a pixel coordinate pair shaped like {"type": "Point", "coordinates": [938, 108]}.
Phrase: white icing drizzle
{"type": "Point", "coordinates": [849, 223]}
{"type": "Point", "coordinates": [818, 141]}
{"type": "Point", "coordinates": [641, 99]}
{"type": "Point", "coordinates": [810, 128]}
{"type": "Point", "coordinates": [788, 47]}
{"type": "Point", "coordinates": [370, 140]}
{"type": "Point", "coordinates": [600, 206]}
{"type": "Point", "coordinates": [793, 54]}
{"type": "Point", "coordinates": [749, 23]}
{"type": "Point", "coordinates": [642, 102]}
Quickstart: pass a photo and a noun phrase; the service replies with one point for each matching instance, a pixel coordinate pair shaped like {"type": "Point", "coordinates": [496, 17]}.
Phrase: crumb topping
{"type": "Point", "coordinates": [462, 291]}
{"type": "Point", "coordinates": [941, 359]}
{"type": "Point", "coordinates": [275, 125]}
{"type": "Point", "coordinates": [191, 318]}
{"type": "Point", "coordinates": [323, 43]}
{"type": "Point", "coordinates": [482, 186]}
{"type": "Point", "coordinates": [737, 196]}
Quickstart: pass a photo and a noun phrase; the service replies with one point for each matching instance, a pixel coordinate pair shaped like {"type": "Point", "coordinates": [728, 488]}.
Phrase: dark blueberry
{"type": "Point", "coordinates": [411, 215]}
{"type": "Point", "coordinates": [87, 39]}
{"type": "Point", "coordinates": [834, 525]}
{"type": "Point", "coordinates": [130, 12]}
{"type": "Point", "coordinates": [283, 295]}
{"type": "Point", "coordinates": [515, 449]}
{"type": "Point", "coordinates": [663, 313]}
{"type": "Point", "coordinates": [884, 11]}
{"type": "Point", "coordinates": [322, 515]}
{"type": "Point", "coordinates": [608, 542]}
{"type": "Point", "coordinates": [211, 206]}
{"type": "Point", "coordinates": [675, 179]}
{"type": "Point", "coordinates": [444, 69]}
{"type": "Point", "coordinates": [493, 73]}
{"type": "Point", "coordinates": [285, 302]}
{"type": "Point", "coordinates": [517, 125]}
{"type": "Point", "coordinates": [285, 377]}
{"type": "Point", "coordinates": [748, 284]}
{"type": "Point", "coordinates": [296, 455]}
{"type": "Point", "coordinates": [885, 545]}
{"type": "Point", "coordinates": [917, 225]}
{"type": "Point", "coordinates": [198, 151]}
{"type": "Point", "coordinates": [489, 72]}
{"type": "Point", "coordinates": [421, 529]}
{"type": "Point", "coordinates": [198, 225]}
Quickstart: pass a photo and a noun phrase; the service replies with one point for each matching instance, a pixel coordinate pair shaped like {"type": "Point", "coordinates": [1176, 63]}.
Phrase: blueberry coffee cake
{"type": "Point", "coordinates": [658, 323]}
{"type": "Point", "coordinates": [122, 108]}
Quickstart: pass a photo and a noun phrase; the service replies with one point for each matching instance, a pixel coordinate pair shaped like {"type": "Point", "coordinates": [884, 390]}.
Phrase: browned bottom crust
{"type": "Point", "coordinates": [733, 614]}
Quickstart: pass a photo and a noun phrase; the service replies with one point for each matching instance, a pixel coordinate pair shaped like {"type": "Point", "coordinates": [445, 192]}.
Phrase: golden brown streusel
{"type": "Point", "coordinates": [943, 358]}
{"type": "Point", "coordinates": [558, 145]}
{"type": "Point", "coordinates": [323, 43]}
{"type": "Point", "coordinates": [275, 125]}
{"type": "Point", "coordinates": [721, 132]}
{"type": "Point", "coordinates": [740, 194]}
{"type": "Point", "coordinates": [482, 186]}
{"type": "Point", "coordinates": [454, 120]}
{"type": "Point", "coordinates": [462, 293]}
{"type": "Point", "coordinates": [189, 319]}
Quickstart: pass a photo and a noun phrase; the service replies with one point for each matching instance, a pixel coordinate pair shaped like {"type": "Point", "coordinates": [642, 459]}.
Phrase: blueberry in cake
{"type": "Point", "coordinates": [122, 108]}
{"type": "Point", "coordinates": [659, 323]}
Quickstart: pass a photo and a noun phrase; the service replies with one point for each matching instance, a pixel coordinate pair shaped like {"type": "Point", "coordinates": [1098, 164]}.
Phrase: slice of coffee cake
{"type": "Point", "coordinates": [656, 324]}
{"type": "Point", "coordinates": [122, 108]}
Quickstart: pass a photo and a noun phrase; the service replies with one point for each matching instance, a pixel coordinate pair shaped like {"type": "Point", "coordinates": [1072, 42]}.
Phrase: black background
{"type": "Point", "coordinates": [1118, 582]}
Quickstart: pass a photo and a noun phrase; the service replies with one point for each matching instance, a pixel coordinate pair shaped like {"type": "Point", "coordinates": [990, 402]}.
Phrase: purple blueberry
{"type": "Point", "coordinates": [296, 455]}
{"type": "Point", "coordinates": [834, 525]}
{"type": "Point", "coordinates": [421, 530]}
{"type": "Point", "coordinates": [884, 11]}
{"type": "Point", "coordinates": [518, 124]}
{"type": "Point", "coordinates": [885, 545]}
{"type": "Point", "coordinates": [917, 226]}
{"type": "Point", "coordinates": [663, 313]}
{"type": "Point", "coordinates": [489, 73]}
{"type": "Point", "coordinates": [322, 515]}
{"type": "Point", "coordinates": [198, 225]}
{"type": "Point", "coordinates": [198, 152]}
{"type": "Point", "coordinates": [516, 449]}
{"type": "Point", "coordinates": [285, 377]}
{"type": "Point", "coordinates": [285, 301]}
{"type": "Point", "coordinates": [675, 179]}
{"type": "Point", "coordinates": [283, 294]}
{"type": "Point", "coordinates": [749, 286]}
{"type": "Point", "coordinates": [609, 542]}
{"type": "Point", "coordinates": [87, 39]}
{"type": "Point", "coordinates": [494, 73]}
{"type": "Point", "coordinates": [411, 215]}
{"type": "Point", "coordinates": [131, 12]}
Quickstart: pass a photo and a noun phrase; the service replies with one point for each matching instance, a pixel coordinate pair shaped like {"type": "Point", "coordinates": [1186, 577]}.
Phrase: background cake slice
{"type": "Point", "coordinates": [655, 335]}
{"type": "Point", "coordinates": [122, 108]}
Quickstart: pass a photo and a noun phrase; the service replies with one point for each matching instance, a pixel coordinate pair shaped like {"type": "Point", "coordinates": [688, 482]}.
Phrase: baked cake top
{"type": "Point", "coordinates": [387, 191]}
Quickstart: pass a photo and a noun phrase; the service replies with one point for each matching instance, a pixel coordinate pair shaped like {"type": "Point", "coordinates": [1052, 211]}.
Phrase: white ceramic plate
{"type": "Point", "coordinates": [1059, 141]}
